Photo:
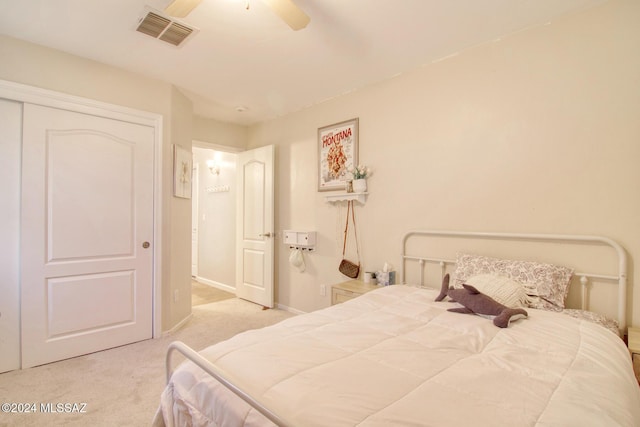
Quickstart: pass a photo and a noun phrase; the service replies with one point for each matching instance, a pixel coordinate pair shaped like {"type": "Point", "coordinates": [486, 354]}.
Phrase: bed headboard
{"type": "Point", "coordinates": [411, 255]}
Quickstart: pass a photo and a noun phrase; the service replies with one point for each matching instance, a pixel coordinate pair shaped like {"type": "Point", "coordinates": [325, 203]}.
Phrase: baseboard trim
{"type": "Point", "coordinates": [289, 309]}
{"type": "Point", "coordinates": [232, 289]}
{"type": "Point", "coordinates": [213, 283]}
{"type": "Point", "coordinates": [179, 325]}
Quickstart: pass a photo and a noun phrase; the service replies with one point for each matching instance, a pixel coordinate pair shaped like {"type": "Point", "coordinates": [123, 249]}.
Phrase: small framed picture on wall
{"type": "Point", "coordinates": [182, 161]}
{"type": "Point", "coordinates": [337, 153]}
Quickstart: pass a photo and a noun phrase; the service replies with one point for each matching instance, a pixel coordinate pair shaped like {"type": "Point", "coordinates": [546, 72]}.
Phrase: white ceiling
{"type": "Point", "coordinates": [251, 58]}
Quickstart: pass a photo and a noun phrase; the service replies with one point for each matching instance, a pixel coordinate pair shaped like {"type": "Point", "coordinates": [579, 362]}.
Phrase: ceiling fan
{"type": "Point", "coordinates": [285, 9]}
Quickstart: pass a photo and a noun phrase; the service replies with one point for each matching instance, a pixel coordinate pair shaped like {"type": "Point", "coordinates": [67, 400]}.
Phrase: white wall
{"type": "Point", "coordinates": [538, 132]}
{"type": "Point", "coordinates": [216, 218]}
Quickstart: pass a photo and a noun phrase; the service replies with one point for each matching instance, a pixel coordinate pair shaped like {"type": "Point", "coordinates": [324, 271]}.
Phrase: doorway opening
{"type": "Point", "coordinates": [213, 224]}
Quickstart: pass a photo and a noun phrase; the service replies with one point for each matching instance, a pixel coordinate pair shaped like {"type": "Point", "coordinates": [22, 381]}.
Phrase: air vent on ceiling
{"type": "Point", "coordinates": [162, 28]}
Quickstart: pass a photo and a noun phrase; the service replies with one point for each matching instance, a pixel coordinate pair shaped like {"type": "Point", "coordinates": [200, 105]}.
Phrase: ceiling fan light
{"type": "Point", "coordinates": [181, 8]}
{"type": "Point", "coordinates": [289, 13]}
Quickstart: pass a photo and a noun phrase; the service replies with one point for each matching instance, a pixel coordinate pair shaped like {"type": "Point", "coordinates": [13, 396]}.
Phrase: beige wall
{"type": "Point", "coordinates": [176, 304]}
{"type": "Point", "coordinates": [52, 69]}
{"type": "Point", "coordinates": [538, 132]}
{"type": "Point", "coordinates": [219, 133]}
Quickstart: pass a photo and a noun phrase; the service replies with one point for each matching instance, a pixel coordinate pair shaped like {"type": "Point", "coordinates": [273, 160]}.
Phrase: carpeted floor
{"type": "Point", "coordinates": [122, 386]}
{"type": "Point", "coordinates": [205, 294]}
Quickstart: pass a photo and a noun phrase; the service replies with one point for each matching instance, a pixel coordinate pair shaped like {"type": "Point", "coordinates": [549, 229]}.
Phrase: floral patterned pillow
{"type": "Point", "coordinates": [548, 284]}
{"type": "Point", "coordinates": [600, 319]}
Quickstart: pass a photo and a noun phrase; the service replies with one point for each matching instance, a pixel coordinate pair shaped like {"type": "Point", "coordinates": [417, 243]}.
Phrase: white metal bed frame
{"type": "Point", "coordinates": [621, 278]}
{"type": "Point", "coordinates": [215, 372]}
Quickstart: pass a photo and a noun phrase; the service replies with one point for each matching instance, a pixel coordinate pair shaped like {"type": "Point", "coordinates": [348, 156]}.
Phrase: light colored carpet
{"type": "Point", "coordinates": [122, 386]}
{"type": "Point", "coordinates": [205, 294]}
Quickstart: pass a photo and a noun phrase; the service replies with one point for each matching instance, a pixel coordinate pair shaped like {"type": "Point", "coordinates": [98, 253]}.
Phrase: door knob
{"type": "Point", "coordinates": [265, 235]}
{"type": "Point", "coordinates": [145, 245]}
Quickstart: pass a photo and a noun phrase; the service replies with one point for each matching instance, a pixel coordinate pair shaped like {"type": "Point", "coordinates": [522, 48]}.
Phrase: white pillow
{"type": "Point", "coordinates": [502, 289]}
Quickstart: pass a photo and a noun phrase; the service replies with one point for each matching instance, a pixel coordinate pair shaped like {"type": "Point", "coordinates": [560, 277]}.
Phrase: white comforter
{"type": "Point", "coordinates": [394, 357]}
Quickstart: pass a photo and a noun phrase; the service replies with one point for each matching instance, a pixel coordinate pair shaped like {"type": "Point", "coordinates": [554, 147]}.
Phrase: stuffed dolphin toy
{"type": "Point", "coordinates": [475, 302]}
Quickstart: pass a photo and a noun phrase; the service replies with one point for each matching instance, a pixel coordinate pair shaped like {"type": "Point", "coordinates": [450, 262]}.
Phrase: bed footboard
{"type": "Point", "coordinates": [212, 370]}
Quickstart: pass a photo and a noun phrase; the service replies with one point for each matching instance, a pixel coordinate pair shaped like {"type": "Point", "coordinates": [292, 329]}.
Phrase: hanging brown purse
{"type": "Point", "coordinates": [349, 268]}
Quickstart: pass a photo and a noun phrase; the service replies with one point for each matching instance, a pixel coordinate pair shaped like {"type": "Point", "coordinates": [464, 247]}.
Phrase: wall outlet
{"type": "Point", "coordinates": [323, 290]}
{"type": "Point", "coordinates": [175, 295]}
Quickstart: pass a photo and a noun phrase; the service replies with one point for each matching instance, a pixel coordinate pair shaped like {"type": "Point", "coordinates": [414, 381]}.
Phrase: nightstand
{"type": "Point", "coordinates": [634, 340]}
{"type": "Point", "coordinates": [633, 337]}
{"type": "Point", "coordinates": [350, 289]}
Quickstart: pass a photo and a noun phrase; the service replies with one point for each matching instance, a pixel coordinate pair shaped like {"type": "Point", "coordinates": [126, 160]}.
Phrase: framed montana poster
{"type": "Point", "coordinates": [337, 153]}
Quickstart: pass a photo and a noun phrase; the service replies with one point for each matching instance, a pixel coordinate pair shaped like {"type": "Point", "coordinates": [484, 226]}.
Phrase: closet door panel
{"type": "Point", "coordinates": [10, 143]}
{"type": "Point", "coordinates": [87, 234]}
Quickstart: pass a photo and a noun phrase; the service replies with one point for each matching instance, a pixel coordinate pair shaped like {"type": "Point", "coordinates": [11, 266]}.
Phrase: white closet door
{"type": "Point", "coordinates": [87, 228]}
{"type": "Point", "coordinates": [10, 140]}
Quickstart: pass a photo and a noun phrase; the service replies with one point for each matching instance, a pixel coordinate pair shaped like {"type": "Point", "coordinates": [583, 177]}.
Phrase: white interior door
{"type": "Point", "coordinates": [255, 226]}
{"type": "Point", "coordinates": [87, 228]}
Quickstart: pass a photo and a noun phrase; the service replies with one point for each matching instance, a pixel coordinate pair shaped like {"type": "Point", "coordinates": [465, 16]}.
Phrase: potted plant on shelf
{"type": "Point", "coordinates": [360, 174]}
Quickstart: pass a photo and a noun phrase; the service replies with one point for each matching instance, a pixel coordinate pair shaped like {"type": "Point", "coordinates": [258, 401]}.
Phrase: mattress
{"type": "Point", "coordinates": [394, 357]}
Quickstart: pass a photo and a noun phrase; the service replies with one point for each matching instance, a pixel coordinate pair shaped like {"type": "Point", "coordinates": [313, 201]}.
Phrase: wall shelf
{"type": "Point", "coordinates": [344, 197]}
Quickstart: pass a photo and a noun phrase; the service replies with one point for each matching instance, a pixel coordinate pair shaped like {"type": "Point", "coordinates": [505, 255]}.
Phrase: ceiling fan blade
{"type": "Point", "coordinates": [289, 13]}
{"type": "Point", "coordinates": [181, 8]}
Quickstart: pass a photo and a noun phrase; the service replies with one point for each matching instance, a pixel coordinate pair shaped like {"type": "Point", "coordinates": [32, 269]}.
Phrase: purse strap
{"type": "Point", "coordinates": [351, 208]}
